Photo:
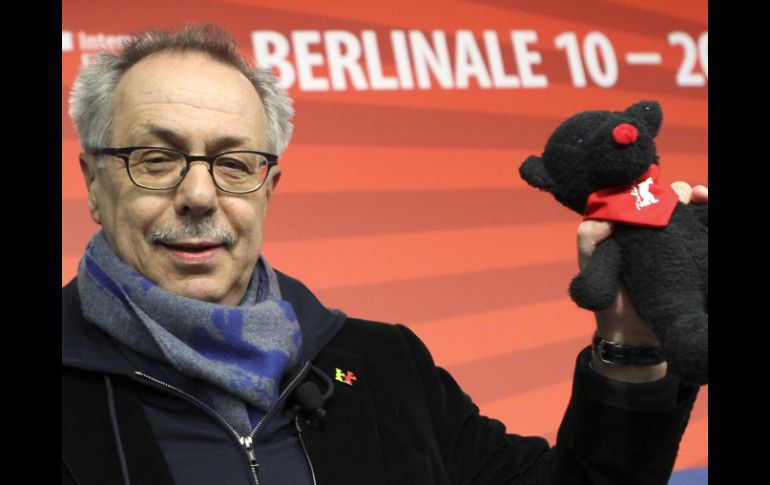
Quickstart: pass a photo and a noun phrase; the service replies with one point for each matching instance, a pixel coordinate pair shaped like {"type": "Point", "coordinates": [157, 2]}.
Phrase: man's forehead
{"type": "Point", "coordinates": [180, 140]}
{"type": "Point", "coordinates": [169, 90]}
{"type": "Point", "coordinates": [193, 78]}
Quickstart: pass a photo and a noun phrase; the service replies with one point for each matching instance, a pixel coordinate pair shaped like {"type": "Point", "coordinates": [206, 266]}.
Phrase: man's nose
{"type": "Point", "coordinates": [197, 194]}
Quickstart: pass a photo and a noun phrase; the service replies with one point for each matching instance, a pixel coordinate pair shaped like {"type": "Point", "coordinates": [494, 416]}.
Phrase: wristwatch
{"type": "Point", "coordinates": [616, 353]}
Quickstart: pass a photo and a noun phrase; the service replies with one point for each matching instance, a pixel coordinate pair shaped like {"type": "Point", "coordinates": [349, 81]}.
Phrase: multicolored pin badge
{"type": "Point", "coordinates": [346, 377]}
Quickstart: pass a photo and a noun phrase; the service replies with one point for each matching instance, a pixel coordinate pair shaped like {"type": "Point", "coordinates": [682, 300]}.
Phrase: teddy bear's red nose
{"type": "Point", "coordinates": [625, 134]}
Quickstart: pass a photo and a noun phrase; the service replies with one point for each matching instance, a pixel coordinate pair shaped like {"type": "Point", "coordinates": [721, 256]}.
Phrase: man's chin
{"type": "Point", "coordinates": [204, 289]}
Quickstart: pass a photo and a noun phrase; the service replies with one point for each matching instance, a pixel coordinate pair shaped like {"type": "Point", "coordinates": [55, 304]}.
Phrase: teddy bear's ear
{"type": "Point", "coordinates": [649, 113]}
{"type": "Point", "coordinates": [533, 171]}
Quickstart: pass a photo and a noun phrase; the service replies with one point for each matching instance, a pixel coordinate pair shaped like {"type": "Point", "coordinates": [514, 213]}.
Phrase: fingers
{"type": "Point", "coordinates": [590, 234]}
{"type": "Point", "coordinates": [683, 190]}
{"type": "Point", "coordinates": [697, 195]}
{"type": "Point", "coordinates": [700, 194]}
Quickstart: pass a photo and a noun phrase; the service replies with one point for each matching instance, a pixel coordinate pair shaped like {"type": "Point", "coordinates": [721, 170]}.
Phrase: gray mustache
{"type": "Point", "coordinates": [191, 227]}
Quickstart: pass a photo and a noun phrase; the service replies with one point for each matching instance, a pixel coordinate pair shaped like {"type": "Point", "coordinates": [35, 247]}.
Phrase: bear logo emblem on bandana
{"type": "Point", "coordinates": [643, 195]}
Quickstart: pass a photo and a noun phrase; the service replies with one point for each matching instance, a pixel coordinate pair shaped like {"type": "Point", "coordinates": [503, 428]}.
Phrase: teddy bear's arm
{"type": "Point", "coordinates": [595, 287]}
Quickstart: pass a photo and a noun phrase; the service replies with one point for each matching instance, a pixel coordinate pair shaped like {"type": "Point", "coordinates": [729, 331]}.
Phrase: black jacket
{"type": "Point", "coordinates": [402, 420]}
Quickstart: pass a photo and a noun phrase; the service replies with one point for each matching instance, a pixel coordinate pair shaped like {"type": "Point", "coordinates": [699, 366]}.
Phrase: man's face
{"type": "Point", "coordinates": [197, 105]}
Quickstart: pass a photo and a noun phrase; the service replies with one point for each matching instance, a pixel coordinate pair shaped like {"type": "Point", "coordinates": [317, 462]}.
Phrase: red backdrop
{"type": "Point", "coordinates": [401, 199]}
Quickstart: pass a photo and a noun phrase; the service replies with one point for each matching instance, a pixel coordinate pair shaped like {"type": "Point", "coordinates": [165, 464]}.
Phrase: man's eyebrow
{"type": "Point", "coordinates": [178, 141]}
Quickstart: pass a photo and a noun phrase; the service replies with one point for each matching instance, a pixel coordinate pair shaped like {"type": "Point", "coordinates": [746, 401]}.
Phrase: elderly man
{"type": "Point", "coordinates": [188, 359]}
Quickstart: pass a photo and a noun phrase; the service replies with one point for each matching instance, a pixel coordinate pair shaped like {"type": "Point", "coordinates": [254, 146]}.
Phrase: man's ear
{"type": "Point", "coordinates": [88, 168]}
{"type": "Point", "coordinates": [272, 182]}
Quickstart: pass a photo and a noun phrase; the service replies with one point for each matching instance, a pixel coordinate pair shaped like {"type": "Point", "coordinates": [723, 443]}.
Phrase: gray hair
{"type": "Point", "coordinates": [92, 95]}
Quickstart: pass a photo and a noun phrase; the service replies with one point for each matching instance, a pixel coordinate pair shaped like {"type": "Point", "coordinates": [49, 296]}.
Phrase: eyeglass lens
{"type": "Point", "coordinates": [162, 169]}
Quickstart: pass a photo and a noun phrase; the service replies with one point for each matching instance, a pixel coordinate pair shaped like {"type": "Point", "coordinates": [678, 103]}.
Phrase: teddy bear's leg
{"type": "Point", "coordinates": [596, 286]}
{"type": "Point", "coordinates": [686, 348]}
{"type": "Point", "coordinates": [668, 294]}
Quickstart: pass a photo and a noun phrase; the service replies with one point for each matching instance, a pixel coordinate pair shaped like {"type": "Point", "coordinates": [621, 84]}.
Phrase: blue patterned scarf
{"type": "Point", "coordinates": [238, 354]}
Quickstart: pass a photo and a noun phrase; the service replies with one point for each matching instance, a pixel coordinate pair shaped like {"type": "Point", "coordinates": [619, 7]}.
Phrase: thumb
{"type": "Point", "coordinates": [590, 234]}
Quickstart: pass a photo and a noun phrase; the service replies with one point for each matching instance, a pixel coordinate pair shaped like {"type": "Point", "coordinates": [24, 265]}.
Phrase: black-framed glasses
{"type": "Point", "coordinates": [154, 168]}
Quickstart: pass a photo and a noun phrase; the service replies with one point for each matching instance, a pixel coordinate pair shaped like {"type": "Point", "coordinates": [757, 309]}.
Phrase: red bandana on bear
{"type": "Point", "coordinates": [641, 203]}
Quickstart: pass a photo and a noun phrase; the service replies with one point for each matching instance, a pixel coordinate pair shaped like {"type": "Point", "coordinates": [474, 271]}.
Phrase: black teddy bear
{"type": "Point", "coordinates": [604, 165]}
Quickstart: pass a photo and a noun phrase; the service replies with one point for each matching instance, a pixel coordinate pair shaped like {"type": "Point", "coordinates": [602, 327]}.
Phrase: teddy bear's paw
{"type": "Point", "coordinates": [686, 348]}
{"type": "Point", "coordinates": [590, 298]}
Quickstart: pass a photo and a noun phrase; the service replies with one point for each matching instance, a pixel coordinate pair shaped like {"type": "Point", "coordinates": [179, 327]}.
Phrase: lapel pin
{"type": "Point", "coordinates": [345, 377]}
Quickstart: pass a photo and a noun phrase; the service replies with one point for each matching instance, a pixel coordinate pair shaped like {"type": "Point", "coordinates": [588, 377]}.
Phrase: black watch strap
{"type": "Point", "coordinates": [616, 353]}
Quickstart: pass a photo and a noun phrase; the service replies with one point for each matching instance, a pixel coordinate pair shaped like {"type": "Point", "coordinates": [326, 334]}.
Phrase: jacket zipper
{"type": "Point", "coordinates": [245, 441]}
{"type": "Point", "coordinates": [304, 449]}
